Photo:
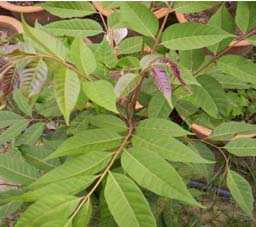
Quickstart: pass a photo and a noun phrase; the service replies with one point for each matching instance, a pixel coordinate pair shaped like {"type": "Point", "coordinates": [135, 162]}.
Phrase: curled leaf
{"type": "Point", "coordinates": [126, 84]}
{"type": "Point", "coordinates": [174, 69]}
{"type": "Point", "coordinates": [117, 35]}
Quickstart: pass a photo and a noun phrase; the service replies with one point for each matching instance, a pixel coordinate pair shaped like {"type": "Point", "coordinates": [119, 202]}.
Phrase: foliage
{"type": "Point", "coordinates": [98, 133]}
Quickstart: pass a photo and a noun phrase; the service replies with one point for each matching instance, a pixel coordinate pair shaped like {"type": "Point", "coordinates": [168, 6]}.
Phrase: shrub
{"type": "Point", "coordinates": [116, 143]}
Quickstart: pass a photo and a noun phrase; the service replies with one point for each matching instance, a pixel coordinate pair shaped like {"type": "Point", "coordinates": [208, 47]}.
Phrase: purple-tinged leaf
{"type": "Point", "coordinates": [174, 69]}
{"type": "Point", "coordinates": [162, 82]}
{"type": "Point", "coordinates": [33, 77]}
{"type": "Point", "coordinates": [8, 77]}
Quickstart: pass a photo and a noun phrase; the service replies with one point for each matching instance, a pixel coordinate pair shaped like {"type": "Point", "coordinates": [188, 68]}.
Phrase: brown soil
{"type": "Point", "coordinates": [26, 3]}
{"type": "Point", "coordinates": [204, 16]}
{"type": "Point", "coordinates": [200, 17]}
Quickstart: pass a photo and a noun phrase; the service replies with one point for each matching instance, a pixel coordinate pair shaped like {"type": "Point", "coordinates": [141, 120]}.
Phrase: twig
{"type": "Point", "coordinates": [160, 33]}
{"type": "Point", "coordinates": [103, 21]}
{"type": "Point", "coordinates": [60, 61]}
{"type": "Point", "coordinates": [105, 172]}
{"type": "Point", "coordinates": [220, 54]}
{"type": "Point", "coordinates": [222, 153]}
{"type": "Point", "coordinates": [10, 185]}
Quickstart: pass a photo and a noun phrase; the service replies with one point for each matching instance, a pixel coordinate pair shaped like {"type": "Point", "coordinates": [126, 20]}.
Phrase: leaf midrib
{"type": "Point", "coordinates": [148, 170]}
{"type": "Point", "coordinates": [96, 143]}
{"type": "Point", "coordinates": [232, 134]}
{"type": "Point", "coordinates": [141, 22]}
{"type": "Point", "coordinates": [80, 172]}
{"type": "Point", "coordinates": [59, 205]}
{"type": "Point", "coordinates": [17, 173]}
{"type": "Point", "coordinates": [238, 191]}
{"type": "Point", "coordinates": [125, 198]}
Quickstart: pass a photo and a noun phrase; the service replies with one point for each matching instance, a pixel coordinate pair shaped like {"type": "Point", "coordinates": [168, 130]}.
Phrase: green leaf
{"type": "Point", "coordinates": [115, 20]}
{"type": "Point", "coordinates": [158, 107]}
{"type": "Point", "coordinates": [67, 88]}
{"type": "Point", "coordinates": [48, 108]}
{"type": "Point", "coordinates": [217, 93]}
{"type": "Point", "coordinates": [147, 60]}
{"type": "Point", "coordinates": [143, 20]}
{"type": "Point", "coordinates": [190, 36]}
{"type": "Point", "coordinates": [201, 98]}
{"type": "Point", "coordinates": [102, 93]}
{"type": "Point", "coordinates": [230, 82]}
{"type": "Point", "coordinates": [161, 126]}
{"type": "Point", "coordinates": [192, 170]}
{"type": "Point", "coordinates": [126, 84]}
{"type": "Point", "coordinates": [7, 118]}
{"type": "Point", "coordinates": [82, 165]}
{"type": "Point", "coordinates": [79, 123]}
{"type": "Point", "coordinates": [108, 122]}
{"type": "Point", "coordinates": [192, 59]}
{"type": "Point", "coordinates": [56, 208]}
{"type": "Point", "coordinates": [131, 45]}
{"type": "Point", "coordinates": [241, 191]}
{"type": "Point", "coordinates": [9, 209]}
{"type": "Point", "coordinates": [239, 67]}
{"type": "Point", "coordinates": [150, 171]}
{"type": "Point", "coordinates": [13, 131]}
{"type": "Point", "coordinates": [86, 141]}
{"type": "Point", "coordinates": [35, 156]}
{"type": "Point", "coordinates": [70, 186]}
{"type": "Point", "coordinates": [129, 63]}
{"type": "Point", "coordinates": [14, 168]}
{"type": "Point", "coordinates": [245, 15]}
{"type": "Point", "coordinates": [45, 42]}
{"type": "Point", "coordinates": [242, 147]}
{"type": "Point", "coordinates": [83, 216]}
{"type": "Point", "coordinates": [83, 56]}
{"type": "Point", "coordinates": [106, 219]}
{"type": "Point", "coordinates": [69, 9]}
{"type": "Point", "coordinates": [252, 40]}
{"type": "Point", "coordinates": [185, 108]}
{"type": "Point", "coordinates": [126, 202]}
{"type": "Point", "coordinates": [224, 20]}
{"type": "Point", "coordinates": [187, 76]}
{"type": "Point", "coordinates": [104, 54]}
{"type": "Point", "coordinates": [74, 28]}
{"type": "Point", "coordinates": [228, 130]}
{"type": "Point", "coordinates": [193, 7]}
{"type": "Point", "coordinates": [31, 135]}
{"type": "Point", "coordinates": [22, 102]}
{"type": "Point", "coordinates": [166, 146]}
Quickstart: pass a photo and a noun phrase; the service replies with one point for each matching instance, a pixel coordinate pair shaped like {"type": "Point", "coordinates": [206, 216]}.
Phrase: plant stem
{"type": "Point", "coordinates": [160, 33]}
{"type": "Point", "coordinates": [220, 54]}
{"type": "Point", "coordinates": [102, 18]}
{"type": "Point", "coordinates": [62, 62]}
{"type": "Point", "coordinates": [222, 153]}
{"type": "Point", "coordinates": [119, 151]}
{"type": "Point", "coordinates": [10, 185]}
{"type": "Point", "coordinates": [105, 172]}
